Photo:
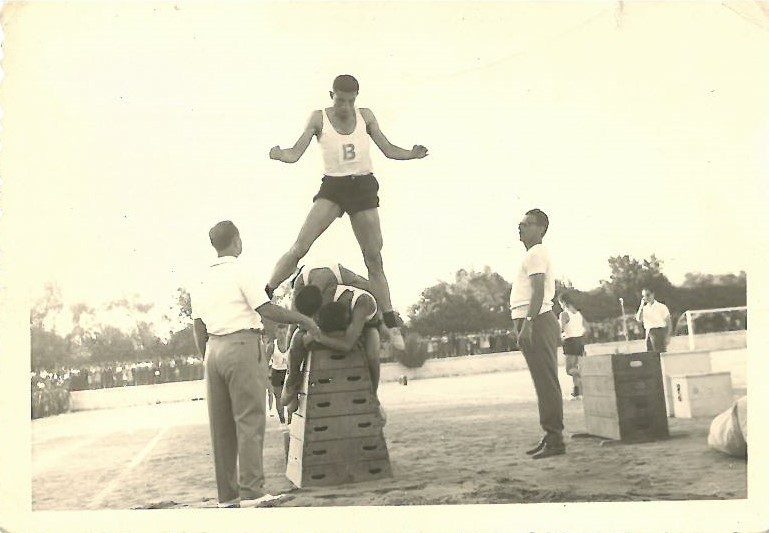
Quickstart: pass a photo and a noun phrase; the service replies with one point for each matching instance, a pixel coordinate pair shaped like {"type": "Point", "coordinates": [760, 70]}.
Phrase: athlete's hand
{"type": "Point", "coordinates": [313, 330]}
{"type": "Point", "coordinates": [276, 153]}
{"type": "Point", "coordinates": [418, 152]}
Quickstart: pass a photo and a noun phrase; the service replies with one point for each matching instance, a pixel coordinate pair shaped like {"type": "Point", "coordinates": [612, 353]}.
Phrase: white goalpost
{"type": "Point", "coordinates": [691, 316]}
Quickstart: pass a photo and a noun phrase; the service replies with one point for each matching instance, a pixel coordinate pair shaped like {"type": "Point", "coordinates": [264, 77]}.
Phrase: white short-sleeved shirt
{"type": "Point", "coordinates": [654, 315]}
{"type": "Point", "coordinates": [575, 327]}
{"type": "Point", "coordinates": [226, 297]}
{"type": "Point", "coordinates": [536, 261]}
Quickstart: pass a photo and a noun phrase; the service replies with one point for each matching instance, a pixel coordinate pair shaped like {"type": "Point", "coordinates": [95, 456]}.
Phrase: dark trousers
{"type": "Point", "coordinates": [657, 340]}
{"type": "Point", "coordinates": [541, 358]}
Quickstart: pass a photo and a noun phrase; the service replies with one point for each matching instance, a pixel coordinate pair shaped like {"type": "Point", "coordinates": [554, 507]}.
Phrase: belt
{"type": "Point", "coordinates": [350, 176]}
{"type": "Point", "coordinates": [250, 330]}
{"type": "Point", "coordinates": [519, 320]}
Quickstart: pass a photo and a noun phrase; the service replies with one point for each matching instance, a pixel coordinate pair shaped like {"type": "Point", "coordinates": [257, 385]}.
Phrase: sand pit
{"type": "Point", "coordinates": [452, 441]}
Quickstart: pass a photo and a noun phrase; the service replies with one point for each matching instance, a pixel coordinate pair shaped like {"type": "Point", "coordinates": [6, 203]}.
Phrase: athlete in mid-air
{"type": "Point", "coordinates": [349, 186]}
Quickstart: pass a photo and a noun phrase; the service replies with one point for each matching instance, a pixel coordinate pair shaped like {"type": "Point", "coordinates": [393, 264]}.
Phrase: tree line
{"type": "Point", "coordinates": [477, 301]}
{"type": "Point", "coordinates": [473, 302]}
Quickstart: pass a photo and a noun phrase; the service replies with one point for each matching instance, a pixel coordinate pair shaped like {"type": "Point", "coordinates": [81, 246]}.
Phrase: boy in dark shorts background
{"type": "Point", "coordinates": [573, 335]}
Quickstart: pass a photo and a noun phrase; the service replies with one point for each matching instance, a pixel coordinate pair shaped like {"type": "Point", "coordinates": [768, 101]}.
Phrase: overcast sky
{"type": "Point", "coordinates": [135, 127]}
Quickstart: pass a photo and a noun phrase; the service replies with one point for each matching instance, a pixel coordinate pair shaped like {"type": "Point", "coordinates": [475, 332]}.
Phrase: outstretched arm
{"type": "Point", "coordinates": [292, 155]}
{"type": "Point", "coordinates": [281, 315]}
{"type": "Point", "coordinates": [389, 149]}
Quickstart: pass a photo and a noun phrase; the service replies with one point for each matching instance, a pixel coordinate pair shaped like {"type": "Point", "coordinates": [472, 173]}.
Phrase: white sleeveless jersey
{"type": "Point", "coordinates": [279, 360]}
{"type": "Point", "coordinates": [356, 293]}
{"type": "Point", "coordinates": [575, 327]}
{"type": "Point", "coordinates": [345, 155]}
{"type": "Point", "coordinates": [334, 268]}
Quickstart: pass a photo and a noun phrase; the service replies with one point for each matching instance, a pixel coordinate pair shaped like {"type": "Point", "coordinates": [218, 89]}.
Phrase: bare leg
{"type": "Point", "coordinates": [371, 352]}
{"type": "Point", "coordinates": [322, 213]}
{"type": "Point", "coordinates": [294, 359]}
{"type": "Point", "coordinates": [368, 232]}
{"type": "Point", "coordinates": [278, 404]}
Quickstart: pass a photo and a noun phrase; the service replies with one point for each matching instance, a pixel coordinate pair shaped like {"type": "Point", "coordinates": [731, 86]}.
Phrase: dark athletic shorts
{"type": "Point", "coordinates": [277, 377]}
{"type": "Point", "coordinates": [573, 346]}
{"type": "Point", "coordinates": [352, 193]}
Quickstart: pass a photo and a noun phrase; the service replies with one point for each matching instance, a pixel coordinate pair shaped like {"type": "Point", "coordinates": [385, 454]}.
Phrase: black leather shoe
{"type": "Point", "coordinates": [538, 447]}
{"type": "Point", "coordinates": [549, 450]}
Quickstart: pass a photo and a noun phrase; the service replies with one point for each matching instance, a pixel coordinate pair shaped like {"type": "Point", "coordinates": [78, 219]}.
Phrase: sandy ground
{"type": "Point", "coordinates": [451, 440]}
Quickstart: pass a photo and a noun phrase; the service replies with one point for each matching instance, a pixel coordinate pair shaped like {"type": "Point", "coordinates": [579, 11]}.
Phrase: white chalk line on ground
{"type": "Point", "coordinates": [136, 461]}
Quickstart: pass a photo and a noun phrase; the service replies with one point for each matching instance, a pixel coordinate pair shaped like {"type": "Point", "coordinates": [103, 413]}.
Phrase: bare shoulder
{"type": "Point", "coordinates": [366, 303]}
{"type": "Point", "coordinates": [367, 115]}
{"type": "Point", "coordinates": [316, 121]}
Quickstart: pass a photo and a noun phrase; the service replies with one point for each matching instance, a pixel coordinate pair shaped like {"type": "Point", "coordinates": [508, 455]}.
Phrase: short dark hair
{"type": "Point", "coordinates": [334, 316]}
{"type": "Point", "coordinates": [222, 234]}
{"type": "Point", "coordinates": [346, 83]}
{"type": "Point", "coordinates": [647, 288]}
{"type": "Point", "coordinates": [541, 218]}
{"type": "Point", "coordinates": [568, 299]}
{"type": "Point", "coordinates": [308, 300]}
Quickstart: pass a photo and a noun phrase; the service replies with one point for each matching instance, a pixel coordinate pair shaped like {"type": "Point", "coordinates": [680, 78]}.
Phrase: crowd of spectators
{"type": "Point", "coordinates": [50, 389]}
{"type": "Point", "coordinates": [49, 394]}
{"type": "Point", "coordinates": [126, 374]}
{"type": "Point", "coordinates": [611, 330]}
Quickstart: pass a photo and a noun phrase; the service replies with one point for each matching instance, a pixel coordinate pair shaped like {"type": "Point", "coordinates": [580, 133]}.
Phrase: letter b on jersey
{"type": "Point", "coordinates": [348, 152]}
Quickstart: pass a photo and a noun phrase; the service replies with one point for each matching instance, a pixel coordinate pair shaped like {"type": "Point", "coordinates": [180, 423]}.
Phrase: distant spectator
{"type": "Point", "coordinates": [655, 318]}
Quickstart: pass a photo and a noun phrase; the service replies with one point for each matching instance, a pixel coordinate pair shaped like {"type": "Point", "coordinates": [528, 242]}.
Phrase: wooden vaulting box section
{"type": "Point", "coordinates": [623, 396]}
{"type": "Point", "coordinates": [336, 433]}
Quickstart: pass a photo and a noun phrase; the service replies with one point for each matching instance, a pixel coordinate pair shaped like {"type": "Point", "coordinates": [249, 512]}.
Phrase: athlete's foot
{"type": "Point", "coordinates": [396, 339]}
{"type": "Point", "coordinates": [269, 291]}
{"type": "Point", "coordinates": [393, 323]}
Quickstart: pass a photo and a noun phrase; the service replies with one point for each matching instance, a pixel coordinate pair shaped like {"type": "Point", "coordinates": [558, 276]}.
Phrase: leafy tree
{"type": "Point", "coordinates": [110, 344]}
{"type": "Point", "coordinates": [698, 279]}
{"type": "Point", "coordinates": [181, 343]}
{"type": "Point", "coordinates": [44, 311]}
{"type": "Point", "coordinates": [629, 276]}
{"type": "Point", "coordinates": [184, 303]}
{"type": "Point", "coordinates": [48, 348]}
{"type": "Point", "coordinates": [148, 345]}
{"type": "Point", "coordinates": [475, 301]}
